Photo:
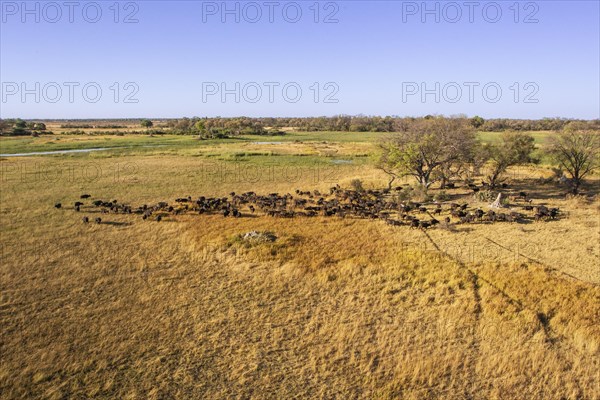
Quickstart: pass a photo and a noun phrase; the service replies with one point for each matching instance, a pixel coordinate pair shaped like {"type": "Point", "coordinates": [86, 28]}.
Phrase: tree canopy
{"type": "Point", "coordinates": [427, 148]}
{"type": "Point", "coordinates": [577, 152]}
{"type": "Point", "coordinates": [515, 148]}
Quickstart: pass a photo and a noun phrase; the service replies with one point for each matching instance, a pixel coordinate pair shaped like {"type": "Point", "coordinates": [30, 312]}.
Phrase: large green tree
{"type": "Point", "coordinates": [513, 149]}
{"type": "Point", "coordinates": [577, 152]}
{"type": "Point", "coordinates": [427, 149]}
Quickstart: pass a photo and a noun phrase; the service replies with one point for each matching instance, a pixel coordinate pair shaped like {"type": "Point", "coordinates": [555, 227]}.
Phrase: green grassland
{"type": "Point", "coordinates": [187, 144]}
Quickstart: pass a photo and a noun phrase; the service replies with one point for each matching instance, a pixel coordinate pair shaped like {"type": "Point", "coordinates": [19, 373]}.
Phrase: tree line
{"type": "Point", "coordinates": [18, 127]}
{"type": "Point", "coordinates": [217, 127]}
{"type": "Point", "coordinates": [439, 150]}
{"type": "Point", "coordinates": [344, 123]}
{"type": "Point", "coordinates": [225, 127]}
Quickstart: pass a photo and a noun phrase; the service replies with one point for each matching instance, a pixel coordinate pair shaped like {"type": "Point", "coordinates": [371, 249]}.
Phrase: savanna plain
{"type": "Point", "coordinates": [332, 308]}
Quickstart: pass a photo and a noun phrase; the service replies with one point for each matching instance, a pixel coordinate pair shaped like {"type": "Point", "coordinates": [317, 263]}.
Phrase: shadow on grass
{"type": "Point", "coordinates": [545, 191]}
{"type": "Point", "coordinates": [114, 223]}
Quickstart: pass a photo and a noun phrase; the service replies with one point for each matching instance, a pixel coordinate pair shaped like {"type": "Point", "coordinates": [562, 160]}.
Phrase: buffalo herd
{"type": "Point", "coordinates": [337, 202]}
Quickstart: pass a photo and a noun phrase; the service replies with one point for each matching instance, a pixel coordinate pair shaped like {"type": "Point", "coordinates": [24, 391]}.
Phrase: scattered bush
{"type": "Point", "coordinates": [74, 132]}
{"type": "Point", "coordinates": [77, 126]}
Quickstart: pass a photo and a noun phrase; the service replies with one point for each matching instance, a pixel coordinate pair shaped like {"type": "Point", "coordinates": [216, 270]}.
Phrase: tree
{"type": "Point", "coordinates": [477, 121]}
{"type": "Point", "coordinates": [514, 149]}
{"type": "Point", "coordinates": [5, 127]}
{"type": "Point", "coordinates": [577, 152]}
{"type": "Point", "coordinates": [428, 147]}
{"type": "Point", "coordinates": [146, 123]}
{"type": "Point", "coordinates": [448, 171]}
{"type": "Point", "coordinates": [19, 128]}
{"type": "Point", "coordinates": [200, 128]}
{"type": "Point", "coordinates": [386, 163]}
{"type": "Point", "coordinates": [480, 155]}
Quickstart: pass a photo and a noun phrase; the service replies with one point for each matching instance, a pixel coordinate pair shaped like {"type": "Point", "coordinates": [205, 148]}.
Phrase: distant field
{"type": "Point", "coordinates": [10, 145]}
{"type": "Point", "coordinates": [541, 137]}
{"type": "Point", "coordinates": [334, 308]}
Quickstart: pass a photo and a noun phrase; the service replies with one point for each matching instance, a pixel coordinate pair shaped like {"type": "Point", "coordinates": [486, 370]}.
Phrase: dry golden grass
{"type": "Point", "coordinates": [335, 308]}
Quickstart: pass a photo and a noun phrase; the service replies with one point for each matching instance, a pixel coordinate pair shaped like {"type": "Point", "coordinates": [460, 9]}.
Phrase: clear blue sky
{"type": "Point", "coordinates": [376, 58]}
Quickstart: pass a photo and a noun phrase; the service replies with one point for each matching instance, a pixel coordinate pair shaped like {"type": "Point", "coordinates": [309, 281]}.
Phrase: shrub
{"type": "Point", "coordinates": [557, 173]}
{"type": "Point", "coordinates": [274, 132]}
{"type": "Point", "coordinates": [420, 194]}
{"type": "Point", "coordinates": [74, 132]}
{"type": "Point", "coordinates": [405, 194]}
{"type": "Point", "coordinates": [441, 196]}
{"type": "Point", "coordinates": [485, 195]}
{"type": "Point", "coordinates": [258, 237]}
{"type": "Point", "coordinates": [357, 185]}
{"type": "Point", "coordinates": [417, 193]}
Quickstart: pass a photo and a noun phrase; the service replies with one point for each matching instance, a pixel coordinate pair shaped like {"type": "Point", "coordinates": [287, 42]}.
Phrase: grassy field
{"type": "Point", "coordinates": [334, 308]}
{"type": "Point", "coordinates": [140, 142]}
